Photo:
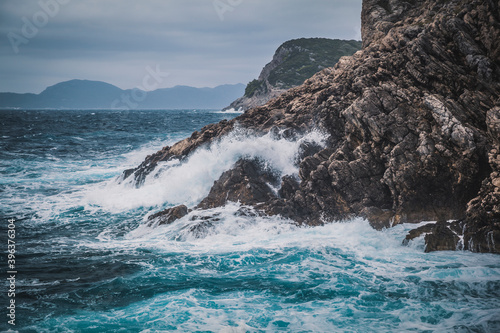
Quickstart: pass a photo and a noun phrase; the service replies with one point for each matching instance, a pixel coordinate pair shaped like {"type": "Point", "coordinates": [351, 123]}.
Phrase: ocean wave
{"type": "Point", "coordinates": [272, 275]}
{"type": "Point", "coordinates": [174, 182]}
{"type": "Point", "coordinates": [231, 111]}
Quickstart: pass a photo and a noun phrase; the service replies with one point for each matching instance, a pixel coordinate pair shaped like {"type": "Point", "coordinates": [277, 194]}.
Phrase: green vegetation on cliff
{"type": "Point", "coordinates": [307, 56]}
{"type": "Point", "coordinates": [252, 87]}
{"type": "Point", "coordinates": [297, 60]}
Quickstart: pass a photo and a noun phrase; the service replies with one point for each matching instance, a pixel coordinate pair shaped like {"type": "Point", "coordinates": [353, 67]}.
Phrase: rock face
{"type": "Point", "coordinates": [293, 62]}
{"type": "Point", "coordinates": [247, 182]}
{"type": "Point", "coordinates": [413, 124]}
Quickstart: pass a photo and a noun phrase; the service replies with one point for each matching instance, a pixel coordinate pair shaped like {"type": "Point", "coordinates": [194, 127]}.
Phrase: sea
{"type": "Point", "coordinates": [79, 254]}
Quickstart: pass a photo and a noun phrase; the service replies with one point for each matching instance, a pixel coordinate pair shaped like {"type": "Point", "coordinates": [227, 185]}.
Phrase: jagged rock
{"type": "Point", "coordinates": [168, 216]}
{"type": "Point", "coordinates": [201, 229]}
{"type": "Point", "coordinates": [482, 232]}
{"type": "Point", "coordinates": [378, 218]}
{"type": "Point", "coordinates": [289, 186]}
{"type": "Point", "coordinates": [418, 232]}
{"type": "Point", "coordinates": [179, 151]}
{"type": "Point", "coordinates": [205, 222]}
{"type": "Point", "coordinates": [247, 182]}
{"type": "Point", "coordinates": [441, 236]}
{"type": "Point", "coordinates": [412, 121]}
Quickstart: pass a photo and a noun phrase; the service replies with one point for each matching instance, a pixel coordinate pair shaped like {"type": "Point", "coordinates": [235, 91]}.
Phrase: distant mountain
{"type": "Point", "coordinates": [82, 94]}
{"type": "Point", "coordinates": [294, 62]}
{"type": "Point", "coordinates": [78, 94]}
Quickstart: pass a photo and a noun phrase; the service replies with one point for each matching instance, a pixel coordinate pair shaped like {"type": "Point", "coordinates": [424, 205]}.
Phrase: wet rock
{"type": "Point", "coordinates": [127, 173]}
{"type": "Point", "coordinates": [200, 229]}
{"type": "Point", "coordinates": [440, 236]}
{"type": "Point", "coordinates": [307, 149]}
{"type": "Point", "coordinates": [378, 218]}
{"type": "Point", "coordinates": [289, 186]}
{"type": "Point", "coordinates": [168, 216]}
{"type": "Point", "coordinates": [482, 231]}
{"type": "Point", "coordinates": [248, 183]}
{"type": "Point", "coordinates": [418, 232]}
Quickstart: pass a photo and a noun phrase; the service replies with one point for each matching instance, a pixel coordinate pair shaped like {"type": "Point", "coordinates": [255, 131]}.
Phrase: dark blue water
{"type": "Point", "coordinates": [86, 261]}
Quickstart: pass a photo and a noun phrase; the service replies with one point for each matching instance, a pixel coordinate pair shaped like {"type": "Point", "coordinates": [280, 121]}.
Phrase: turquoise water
{"type": "Point", "coordinates": [87, 262]}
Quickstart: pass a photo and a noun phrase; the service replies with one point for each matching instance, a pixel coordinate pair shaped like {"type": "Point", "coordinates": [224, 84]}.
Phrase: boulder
{"type": "Point", "coordinates": [168, 216]}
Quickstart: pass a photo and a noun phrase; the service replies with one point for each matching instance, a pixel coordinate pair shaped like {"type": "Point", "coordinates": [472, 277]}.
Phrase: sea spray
{"type": "Point", "coordinates": [232, 111]}
{"type": "Point", "coordinates": [174, 182]}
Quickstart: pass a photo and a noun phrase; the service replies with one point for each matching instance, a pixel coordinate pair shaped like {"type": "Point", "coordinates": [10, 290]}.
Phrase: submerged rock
{"type": "Point", "coordinates": [413, 125]}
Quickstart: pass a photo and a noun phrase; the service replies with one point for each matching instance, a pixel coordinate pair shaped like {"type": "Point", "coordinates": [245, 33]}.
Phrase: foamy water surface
{"type": "Point", "coordinates": [88, 263]}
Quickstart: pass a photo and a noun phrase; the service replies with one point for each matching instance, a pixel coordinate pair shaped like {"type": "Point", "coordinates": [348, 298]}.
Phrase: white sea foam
{"type": "Point", "coordinates": [135, 157]}
{"type": "Point", "coordinates": [73, 177]}
{"type": "Point", "coordinates": [372, 267]}
{"type": "Point", "coordinates": [234, 227]}
{"type": "Point", "coordinates": [231, 110]}
{"type": "Point", "coordinates": [174, 183]}
{"type": "Point", "coordinates": [223, 230]}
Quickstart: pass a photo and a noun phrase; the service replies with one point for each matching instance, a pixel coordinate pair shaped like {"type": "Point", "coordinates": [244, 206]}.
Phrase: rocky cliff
{"type": "Point", "coordinates": [413, 121]}
{"type": "Point", "coordinates": [293, 62]}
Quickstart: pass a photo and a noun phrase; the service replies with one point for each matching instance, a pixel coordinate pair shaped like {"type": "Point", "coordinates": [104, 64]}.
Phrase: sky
{"type": "Point", "coordinates": [199, 43]}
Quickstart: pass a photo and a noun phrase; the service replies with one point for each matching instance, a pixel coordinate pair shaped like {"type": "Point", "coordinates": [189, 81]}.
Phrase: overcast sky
{"type": "Point", "coordinates": [201, 43]}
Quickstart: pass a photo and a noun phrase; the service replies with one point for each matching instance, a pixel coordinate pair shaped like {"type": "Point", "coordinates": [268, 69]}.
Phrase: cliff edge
{"type": "Point", "coordinates": [293, 62]}
{"type": "Point", "coordinates": [413, 124]}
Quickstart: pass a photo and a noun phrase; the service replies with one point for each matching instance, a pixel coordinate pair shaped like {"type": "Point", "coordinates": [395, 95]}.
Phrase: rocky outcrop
{"type": "Point", "coordinates": [482, 230]}
{"type": "Point", "coordinates": [248, 182]}
{"type": "Point", "coordinates": [413, 129]}
{"type": "Point", "coordinates": [168, 216]}
{"type": "Point", "coordinates": [440, 236]}
{"type": "Point", "coordinates": [293, 62]}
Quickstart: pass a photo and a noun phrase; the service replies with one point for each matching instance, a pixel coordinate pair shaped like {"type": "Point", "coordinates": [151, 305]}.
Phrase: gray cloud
{"type": "Point", "coordinates": [115, 40]}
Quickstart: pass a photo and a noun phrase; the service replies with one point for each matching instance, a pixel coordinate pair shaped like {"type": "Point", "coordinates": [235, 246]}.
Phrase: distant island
{"type": "Point", "coordinates": [86, 94]}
